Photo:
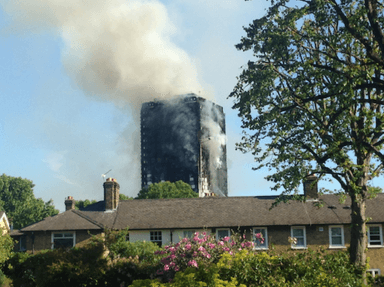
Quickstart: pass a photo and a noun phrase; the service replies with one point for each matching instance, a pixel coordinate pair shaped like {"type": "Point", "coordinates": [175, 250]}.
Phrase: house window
{"type": "Point", "coordinates": [156, 237]}
{"type": "Point", "coordinates": [221, 233]}
{"type": "Point", "coordinates": [336, 236]}
{"type": "Point", "coordinates": [374, 272]}
{"type": "Point", "coordinates": [188, 233]}
{"type": "Point", "coordinates": [23, 243]}
{"type": "Point", "coordinates": [375, 237]}
{"type": "Point", "coordinates": [260, 243]}
{"type": "Point", "coordinates": [63, 239]}
{"type": "Point", "coordinates": [298, 232]}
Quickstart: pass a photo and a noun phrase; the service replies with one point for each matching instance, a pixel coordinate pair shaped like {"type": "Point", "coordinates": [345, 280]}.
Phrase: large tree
{"type": "Point", "coordinates": [19, 202]}
{"type": "Point", "coordinates": [167, 189]}
{"type": "Point", "coordinates": [311, 101]}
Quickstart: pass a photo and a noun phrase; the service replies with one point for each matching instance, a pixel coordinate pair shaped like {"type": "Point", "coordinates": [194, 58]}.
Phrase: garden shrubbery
{"type": "Point", "coordinates": [198, 261]}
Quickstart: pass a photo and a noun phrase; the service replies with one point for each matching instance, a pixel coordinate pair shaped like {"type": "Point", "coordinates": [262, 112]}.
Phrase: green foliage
{"type": "Point", "coordinates": [6, 247]}
{"type": "Point", "coordinates": [78, 267]}
{"type": "Point", "coordinates": [19, 202]}
{"type": "Point", "coordinates": [167, 189]}
{"type": "Point", "coordinates": [80, 204]}
{"type": "Point", "coordinates": [118, 246]}
{"type": "Point", "coordinates": [124, 197]}
{"type": "Point", "coordinates": [312, 99]}
{"type": "Point", "coordinates": [104, 261]}
{"type": "Point", "coordinates": [260, 269]}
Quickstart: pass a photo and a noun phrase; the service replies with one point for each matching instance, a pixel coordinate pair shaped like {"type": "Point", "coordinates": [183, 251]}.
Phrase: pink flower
{"type": "Point", "coordinates": [226, 238]}
{"type": "Point", "coordinates": [177, 268]}
{"type": "Point", "coordinates": [211, 245]}
{"type": "Point", "coordinates": [204, 233]}
{"type": "Point", "coordinates": [172, 264]}
{"type": "Point", "coordinates": [221, 243]}
{"type": "Point", "coordinates": [239, 249]}
{"type": "Point", "coordinates": [201, 248]}
{"type": "Point", "coordinates": [195, 254]}
{"type": "Point", "coordinates": [208, 255]}
{"type": "Point", "coordinates": [185, 240]}
{"type": "Point", "coordinates": [173, 256]}
{"type": "Point", "coordinates": [226, 248]}
{"type": "Point", "coordinates": [259, 235]}
{"type": "Point", "coordinates": [193, 263]}
{"type": "Point", "coordinates": [243, 236]}
{"type": "Point", "coordinates": [188, 246]}
{"type": "Point", "coordinates": [232, 243]}
{"type": "Point", "coordinates": [166, 267]}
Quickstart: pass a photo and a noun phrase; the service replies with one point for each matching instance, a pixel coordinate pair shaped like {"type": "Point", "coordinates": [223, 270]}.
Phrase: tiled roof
{"type": "Point", "coordinates": [208, 212]}
{"type": "Point", "coordinates": [69, 220]}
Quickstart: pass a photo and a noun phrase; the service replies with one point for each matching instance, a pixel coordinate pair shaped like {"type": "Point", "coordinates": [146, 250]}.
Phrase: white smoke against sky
{"type": "Point", "coordinates": [115, 50]}
{"type": "Point", "coordinates": [119, 51]}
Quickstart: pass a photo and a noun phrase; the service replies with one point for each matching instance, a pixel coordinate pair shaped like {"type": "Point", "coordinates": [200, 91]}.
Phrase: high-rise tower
{"type": "Point", "coordinates": [184, 139]}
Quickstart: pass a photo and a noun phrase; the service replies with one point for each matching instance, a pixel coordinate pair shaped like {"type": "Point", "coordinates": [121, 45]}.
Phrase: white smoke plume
{"type": "Point", "coordinates": [115, 50]}
{"type": "Point", "coordinates": [119, 51]}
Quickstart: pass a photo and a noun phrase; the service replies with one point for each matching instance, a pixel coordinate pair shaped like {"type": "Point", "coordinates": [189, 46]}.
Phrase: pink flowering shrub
{"type": "Point", "coordinates": [198, 252]}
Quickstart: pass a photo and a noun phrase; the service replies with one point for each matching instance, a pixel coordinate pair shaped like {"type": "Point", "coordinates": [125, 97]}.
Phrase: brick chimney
{"type": "Point", "coordinates": [69, 203]}
{"type": "Point", "coordinates": [310, 186]}
{"type": "Point", "coordinates": [111, 194]}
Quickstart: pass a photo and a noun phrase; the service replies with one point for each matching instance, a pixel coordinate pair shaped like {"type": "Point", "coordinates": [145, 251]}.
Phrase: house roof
{"type": "Point", "coordinates": [69, 220]}
{"type": "Point", "coordinates": [207, 212]}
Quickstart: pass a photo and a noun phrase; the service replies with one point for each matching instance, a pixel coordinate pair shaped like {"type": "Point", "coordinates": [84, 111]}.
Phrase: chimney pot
{"type": "Point", "coordinates": [69, 203]}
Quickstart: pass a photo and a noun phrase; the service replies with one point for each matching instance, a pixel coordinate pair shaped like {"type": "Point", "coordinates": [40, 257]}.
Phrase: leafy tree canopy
{"type": "Point", "coordinates": [312, 99]}
{"type": "Point", "coordinates": [19, 202]}
{"type": "Point", "coordinates": [124, 197]}
{"type": "Point", "coordinates": [167, 189]}
{"type": "Point", "coordinates": [80, 204]}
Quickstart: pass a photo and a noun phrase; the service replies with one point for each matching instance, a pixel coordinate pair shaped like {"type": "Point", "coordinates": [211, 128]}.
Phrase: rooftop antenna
{"type": "Point", "coordinates": [104, 174]}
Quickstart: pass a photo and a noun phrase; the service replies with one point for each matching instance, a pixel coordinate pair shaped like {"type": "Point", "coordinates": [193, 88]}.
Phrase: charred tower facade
{"type": "Point", "coordinates": [184, 139]}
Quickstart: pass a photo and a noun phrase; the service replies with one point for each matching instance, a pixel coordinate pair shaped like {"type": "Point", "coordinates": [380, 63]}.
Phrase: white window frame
{"type": "Point", "coordinates": [374, 272]}
{"type": "Point", "coordinates": [265, 236]}
{"type": "Point", "coordinates": [331, 245]}
{"type": "Point", "coordinates": [221, 229]}
{"type": "Point", "coordinates": [62, 232]}
{"type": "Point", "coordinates": [304, 237]}
{"type": "Point", "coordinates": [153, 235]}
{"type": "Point", "coordinates": [186, 235]}
{"type": "Point", "coordinates": [369, 236]}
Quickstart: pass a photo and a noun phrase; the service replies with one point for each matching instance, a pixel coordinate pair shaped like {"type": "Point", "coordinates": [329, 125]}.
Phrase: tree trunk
{"type": "Point", "coordinates": [358, 234]}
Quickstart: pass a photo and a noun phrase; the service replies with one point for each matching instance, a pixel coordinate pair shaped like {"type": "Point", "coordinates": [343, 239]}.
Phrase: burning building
{"type": "Point", "coordinates": [184, 139]}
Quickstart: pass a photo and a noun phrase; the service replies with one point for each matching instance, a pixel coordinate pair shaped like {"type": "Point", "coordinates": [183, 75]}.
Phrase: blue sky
{"type": "Point", "coordinates": [61, 128]}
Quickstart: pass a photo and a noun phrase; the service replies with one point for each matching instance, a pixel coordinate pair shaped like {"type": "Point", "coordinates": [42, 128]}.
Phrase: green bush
{"type": "Point", "coordinates": [75, 267]}
{"type": "Point", "coordinates": [89, 265]}
{"type": "Point", "coordinates": [247, 268]}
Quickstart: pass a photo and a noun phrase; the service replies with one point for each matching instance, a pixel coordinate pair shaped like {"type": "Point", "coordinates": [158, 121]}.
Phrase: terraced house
{"type": "Point", "coordinates": [167, 220]}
